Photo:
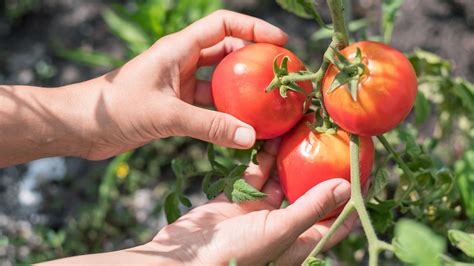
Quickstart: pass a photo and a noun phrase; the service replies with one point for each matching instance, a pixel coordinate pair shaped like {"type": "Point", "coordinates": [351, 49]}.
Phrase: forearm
{"type": "Point", "coordinates": [140, 255]}
{"type": "Point", "coordinates": [42, 122]}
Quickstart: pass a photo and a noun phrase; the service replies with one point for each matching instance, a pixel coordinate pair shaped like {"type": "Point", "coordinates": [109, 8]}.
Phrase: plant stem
{"type": "Point", "coordinates": [340, 30]}
{"type": "Point", "coordinates": [401, 164]}
{"type": "Point", "coordinates": [356, 196]}
{"type": "Point", "coordinates": [348, 209]}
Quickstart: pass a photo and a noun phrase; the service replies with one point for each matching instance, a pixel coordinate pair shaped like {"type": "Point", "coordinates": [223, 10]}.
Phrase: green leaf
{"type": "Point", "coordinates": [463, 241]}
{"type": "Point", "coordinates": [185, 201]}
{"type": "Point", "coordinates": [295, 7]}
{"type": "Point", "coordinates": [310, 9]}
{"type": "Point", "coordinates": [182, 168]}
{"type": "Point", "coordinates": [206, 182]}
{"type": "Point", "coordinates": [215, 188]}
{"type": "Point", "coordinates": [237, 171]}
{"type": "Point", "coordinates": [381, 214]}
{"type": "Point", "coordinates": [464, 173]}
{"type": "Point", "coordinates": [416, 244]}
{"type": "Point", "coordinates": [379, 183]}
{"type": "Point", "coordinates": [242, 191]}
{"type": "Point", "coordinates": [126, 29]}
{"type": "Point", "coordinates": [389, 12]}
{"type": "Point", "coordinates": [172, 207]}
{"type": "Point", "coordinates": [91, 58]}
{"type": "Point", "coordinates": [422, 108]}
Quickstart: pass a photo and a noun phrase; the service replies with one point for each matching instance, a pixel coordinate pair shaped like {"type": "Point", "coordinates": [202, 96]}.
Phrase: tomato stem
{"type": "Point", "coordinates": [340, 35]}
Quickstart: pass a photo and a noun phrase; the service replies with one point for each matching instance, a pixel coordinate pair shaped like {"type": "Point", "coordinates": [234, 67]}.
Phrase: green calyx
{"type": "Point", "coordinates": [322, 125]}
{"type": "Point", "coordinates": [349, 73]}
{"type": "Point", "coordinates": [285, 85]}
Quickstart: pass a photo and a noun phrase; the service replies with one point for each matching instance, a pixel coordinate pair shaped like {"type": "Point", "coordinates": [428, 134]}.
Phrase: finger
{"type": "Point", "coordinates": [287, 224]}
{"type": "Point", "coordinates": [257, 175]}
{"type": "Point", "coordinates": [214, 28]}
{"type": "Point", "coordinates": [274, 193]}
{"type": "Point", "coordinates": [305, 243]}
{"type": "Point", "coordinates": [202, 93]}
{"type": "Point", "coordinates": [213, 55]}
{"type": "Point", "coordinates": [211, 126]}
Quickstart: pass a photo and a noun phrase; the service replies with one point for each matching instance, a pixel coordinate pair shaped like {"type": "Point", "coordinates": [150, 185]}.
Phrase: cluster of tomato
{"type": "Point", "coordinates": [386, 92]}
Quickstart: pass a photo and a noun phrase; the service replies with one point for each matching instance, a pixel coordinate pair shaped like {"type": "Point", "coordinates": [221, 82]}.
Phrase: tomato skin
{"type": "Point", "coordinates": [307, 158]}
{"type": "Point", "coordinates": [238, 88]}
{"type": "Point", "coordinates": [386, 92]}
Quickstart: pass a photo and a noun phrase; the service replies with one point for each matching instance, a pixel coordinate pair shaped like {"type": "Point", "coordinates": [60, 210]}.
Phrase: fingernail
{"type": "Point", "coordinates": [342, 192]}
{"type": "Point", "coordinates": [244, 137]}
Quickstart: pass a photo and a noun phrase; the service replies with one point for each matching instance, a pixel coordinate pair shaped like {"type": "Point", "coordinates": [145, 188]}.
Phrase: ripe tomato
{"type": "Point", "coordinates": [238, 88]}
{"type": "Point", "coordinates": [307, 158]}
{"type": "Point", "coordinates": [385, 95]}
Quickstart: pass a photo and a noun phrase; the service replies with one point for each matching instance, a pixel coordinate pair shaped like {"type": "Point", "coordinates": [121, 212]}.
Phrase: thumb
{"type": "Point", "coordinates": [287, 224]}
{"type": "Point", "coordinates": [211, 126]}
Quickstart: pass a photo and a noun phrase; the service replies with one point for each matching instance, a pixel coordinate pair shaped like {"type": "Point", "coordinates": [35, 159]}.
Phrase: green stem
{"type": "Point", "coordinates": [401, 164]}
{"type": "Point", "coordinates": [348, 209]}
{"type": "Point", "coordinates": [340, 30]}
{"type": "Point", "coordinates": [356, 196]}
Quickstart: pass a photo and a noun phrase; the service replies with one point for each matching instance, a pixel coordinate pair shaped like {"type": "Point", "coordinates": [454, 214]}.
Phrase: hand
{"type": "Point", "coordinates": [152, 96]}
{"type": "Point", "coordinates": [254, 232]}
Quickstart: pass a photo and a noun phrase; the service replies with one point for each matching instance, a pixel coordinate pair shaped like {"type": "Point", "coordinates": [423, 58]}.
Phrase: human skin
{"type": "Point", "coordinates": [252, 232]}
{"type": "Point", "coordinates": [152, 96]}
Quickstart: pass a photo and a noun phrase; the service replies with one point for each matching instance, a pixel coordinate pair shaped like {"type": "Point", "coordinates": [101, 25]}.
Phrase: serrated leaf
{"type": "Point", "coordinates": [185, 201]}
{"type": "Point", "coordinates": [243, 191]}
{"type": "Point", "coordinates": [172, 211]}
{"type": "Point", "coordinates": [463, 241]}
{"type": "Point", "coordinates": [416, 244]}
{"type": "Point", "coordinates": [215, 188]}
{"type": "Point", "coordinates": [422, 108]}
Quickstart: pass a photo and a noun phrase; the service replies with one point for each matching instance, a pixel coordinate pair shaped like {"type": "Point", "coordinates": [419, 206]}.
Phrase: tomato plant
{"type": "Point", "coordinates": [238, 88]}
{"type": "Point", "coordinates": [307, 158]}
{"type": "Point", "coordinates": [385, 93]}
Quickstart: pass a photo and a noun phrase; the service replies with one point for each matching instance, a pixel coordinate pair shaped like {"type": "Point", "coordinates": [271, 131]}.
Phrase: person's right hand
{"type": "Point", "coordinates": [154, 95]}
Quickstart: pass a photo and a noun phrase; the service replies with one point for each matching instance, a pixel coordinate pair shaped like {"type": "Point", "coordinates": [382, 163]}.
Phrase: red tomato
{"type": "Point", "coordinates": [238, 88]}
{"type": "Point", "coordinates": [307, 158]}
{"type": "Point", "coordinates": [386, 91]}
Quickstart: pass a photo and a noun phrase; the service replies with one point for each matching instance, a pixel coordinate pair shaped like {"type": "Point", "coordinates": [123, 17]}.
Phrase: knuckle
{"type": "Point", "coordinates": [220, 13]}
{"type": "Point", "coordinates": [218, 127]}
{"type": "Point", "coordinates": [319, 209]}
